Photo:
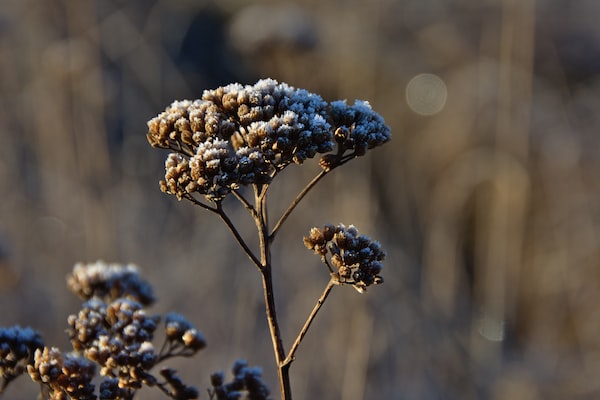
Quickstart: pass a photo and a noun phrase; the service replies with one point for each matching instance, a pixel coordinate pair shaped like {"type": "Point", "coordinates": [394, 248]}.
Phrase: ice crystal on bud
{"type": "Point", "coordinates": [353, 258]}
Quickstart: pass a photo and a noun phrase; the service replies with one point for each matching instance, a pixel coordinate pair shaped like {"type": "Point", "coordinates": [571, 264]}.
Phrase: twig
{"type": "Point", "coordinates": [265, 252]}
{"type": "Point", "coordinates": [219, 210]}
{"type": "Point", "coordinates": [294, 203]}
{"type": "Point", "coordinates": [290, 357]}
{"type": "Point", "coordinates": [244, 202]}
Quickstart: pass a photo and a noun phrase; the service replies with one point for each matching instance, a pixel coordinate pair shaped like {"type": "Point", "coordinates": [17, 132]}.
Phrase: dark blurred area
{"type": "Point", "coordinates": [487, 199]}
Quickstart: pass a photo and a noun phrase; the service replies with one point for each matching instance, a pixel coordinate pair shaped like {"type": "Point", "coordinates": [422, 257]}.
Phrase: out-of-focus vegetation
{"type": "Point", "coordinates": [487, 199]}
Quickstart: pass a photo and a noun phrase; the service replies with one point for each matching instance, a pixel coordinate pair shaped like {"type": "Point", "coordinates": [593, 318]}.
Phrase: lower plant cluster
{"type": "Point", "coordinates": [112, 336]}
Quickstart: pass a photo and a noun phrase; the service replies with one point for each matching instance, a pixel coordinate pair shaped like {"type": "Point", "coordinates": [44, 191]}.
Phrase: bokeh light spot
{"type": "Point", "coordinates": [426, 94]}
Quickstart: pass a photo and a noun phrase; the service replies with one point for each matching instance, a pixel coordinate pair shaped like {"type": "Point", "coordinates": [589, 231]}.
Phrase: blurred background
{"type": "Point", "coordinates": [487, 199]}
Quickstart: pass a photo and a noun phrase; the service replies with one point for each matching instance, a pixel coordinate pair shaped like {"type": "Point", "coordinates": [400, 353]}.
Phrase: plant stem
{"type": "Point", "coordinates": [219, 210]}
{"type": "Point", "coordinates": [290, 358]}
{"type": "Point", "coordinates": [282, 368]}
{"type": "Point", "coordinates": [267, 278]}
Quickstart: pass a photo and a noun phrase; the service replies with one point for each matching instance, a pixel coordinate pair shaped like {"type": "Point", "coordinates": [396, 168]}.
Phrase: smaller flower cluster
{"type": "Point", "coordinates": [117, 337]}
{"type": "Point", "coordinates": [111, 331]}
{"type": "Point", "coordinates": [182, 337]}
{"type": "Point", "coordinates": [17, 348]}
{"type": "Point", "coordinates": [109, 281]}
{"type": "Point", "coordinates": [65, 376]}
{"type": "Point", "coordinates": [353, 259]}
{"type": "Point", "coordinates": [246, 379]}
{"type": "Point", "coordinates": [357, 129]}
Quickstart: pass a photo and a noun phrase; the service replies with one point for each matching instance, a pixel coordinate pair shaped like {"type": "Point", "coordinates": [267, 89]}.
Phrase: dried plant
{"type": "Point", "coordinates": [111, 333]}
{"type": "Point", "coordinates": [243, 136]}
{"type": "Point", "coordinates": [234, 137]}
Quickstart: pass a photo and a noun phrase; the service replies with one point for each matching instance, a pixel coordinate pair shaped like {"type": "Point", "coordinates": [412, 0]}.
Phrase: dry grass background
{"type": "Point", "coordinates": [489, 209]}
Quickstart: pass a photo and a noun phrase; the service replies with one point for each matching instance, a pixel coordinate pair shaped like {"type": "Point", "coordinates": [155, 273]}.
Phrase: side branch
{"type": "Point", "coordinates": [290, 357]}
{"type": "Point", "coordinates": [296, 201]}
{"type": "Point", "coordinates": [219, 210]}
{"type": "Point", "coordinates": [244, 202]}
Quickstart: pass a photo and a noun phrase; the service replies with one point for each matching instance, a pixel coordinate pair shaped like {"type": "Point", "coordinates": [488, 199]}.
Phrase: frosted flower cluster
{"type": "Point", "coordinates": [240, 135]}
{"type": "Point", "coordinates": [109, 282]}
{"type": "Point", "coordinates": [352, 258]}
{"type": "Point", "coordinates": [246, 380]}
{"type": "Point", "coordinates": [17, 347]}
{"type": "Point", "coordinates": [182, 335]}
{"type": "Point", "coordinates": [117, 337]}
{"type": "Point", "coordinates": [112, 332]}
{"type": "Point", "coordinates": [66, 376]}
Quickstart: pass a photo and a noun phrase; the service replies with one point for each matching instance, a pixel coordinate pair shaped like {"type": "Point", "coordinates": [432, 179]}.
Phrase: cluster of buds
{"type": "Point", "coordinates": [109, 281]}
{"type": "Point", "coordinates": [17, 349]}
{"type": "Point", "coordinates": [117, 337]}
{"type": "Point", "coordinates": [351, 258]}
{"type": "Point", "coordinates": [240, 135]}
{"type": "Point", "coordinates": [182, 338]}
{"type": "Point", "coordinates": [246, 380]}
{"type": "Point", "coordinates": [64, 376]}
{"type": "Point", "coordinates": [113, 330]}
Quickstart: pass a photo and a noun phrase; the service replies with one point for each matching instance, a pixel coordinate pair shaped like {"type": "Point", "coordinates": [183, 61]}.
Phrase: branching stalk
{"type": "Point", "coordinates": [290, 357]}
{"type": "Point", "coordinates": [265, 252]}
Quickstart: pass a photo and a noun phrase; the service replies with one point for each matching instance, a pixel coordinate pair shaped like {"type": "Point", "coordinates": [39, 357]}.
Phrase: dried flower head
{"type": "Point", "coordinates": [353, 259]}
{"type": "Point", "coordinates": [66, 376]}
{"type": "Point", "coordinates": [357, 129]}
{"type": "Point", "coordinates": [239, 135]}
{"type": "Point", "coordinates": [182, 337]}
{"type": "Point", "coordinates": [246, 380]}
{"type": "Point", "coordinates": [118, 337]}
{"type": "Point", "coordinates": [109, 282]}
{"type": "Point", "coordinates": [17, 347]}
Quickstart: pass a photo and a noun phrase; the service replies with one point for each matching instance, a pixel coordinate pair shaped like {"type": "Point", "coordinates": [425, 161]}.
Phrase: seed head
{"type": "Point", "coordinates": [356, 258]}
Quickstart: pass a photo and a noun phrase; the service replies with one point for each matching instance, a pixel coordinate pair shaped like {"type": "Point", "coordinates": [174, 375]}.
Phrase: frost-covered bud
{"type": "Point", "coordinates": [316, 241]}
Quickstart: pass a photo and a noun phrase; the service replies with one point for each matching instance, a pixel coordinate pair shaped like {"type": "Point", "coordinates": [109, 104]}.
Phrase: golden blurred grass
{"type": "Point", "coordinates": [488, 209]}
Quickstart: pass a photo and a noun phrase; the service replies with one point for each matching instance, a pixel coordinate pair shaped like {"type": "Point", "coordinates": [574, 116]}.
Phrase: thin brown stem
{"type": "Point", "coordinates": [219, 210]}
{"type": "Point", "coordinates": [197, 202]}
{"type": "Point", "coordinates": [291, 355]}
{"type": "Point", "coordinates": [244, 202]}
{"type": "Point", "coordinates": [267, 278]}
{"type": "Point", "coordinates": [282, 367]}
{"type": "Point", "coordinates": [296, 201]}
